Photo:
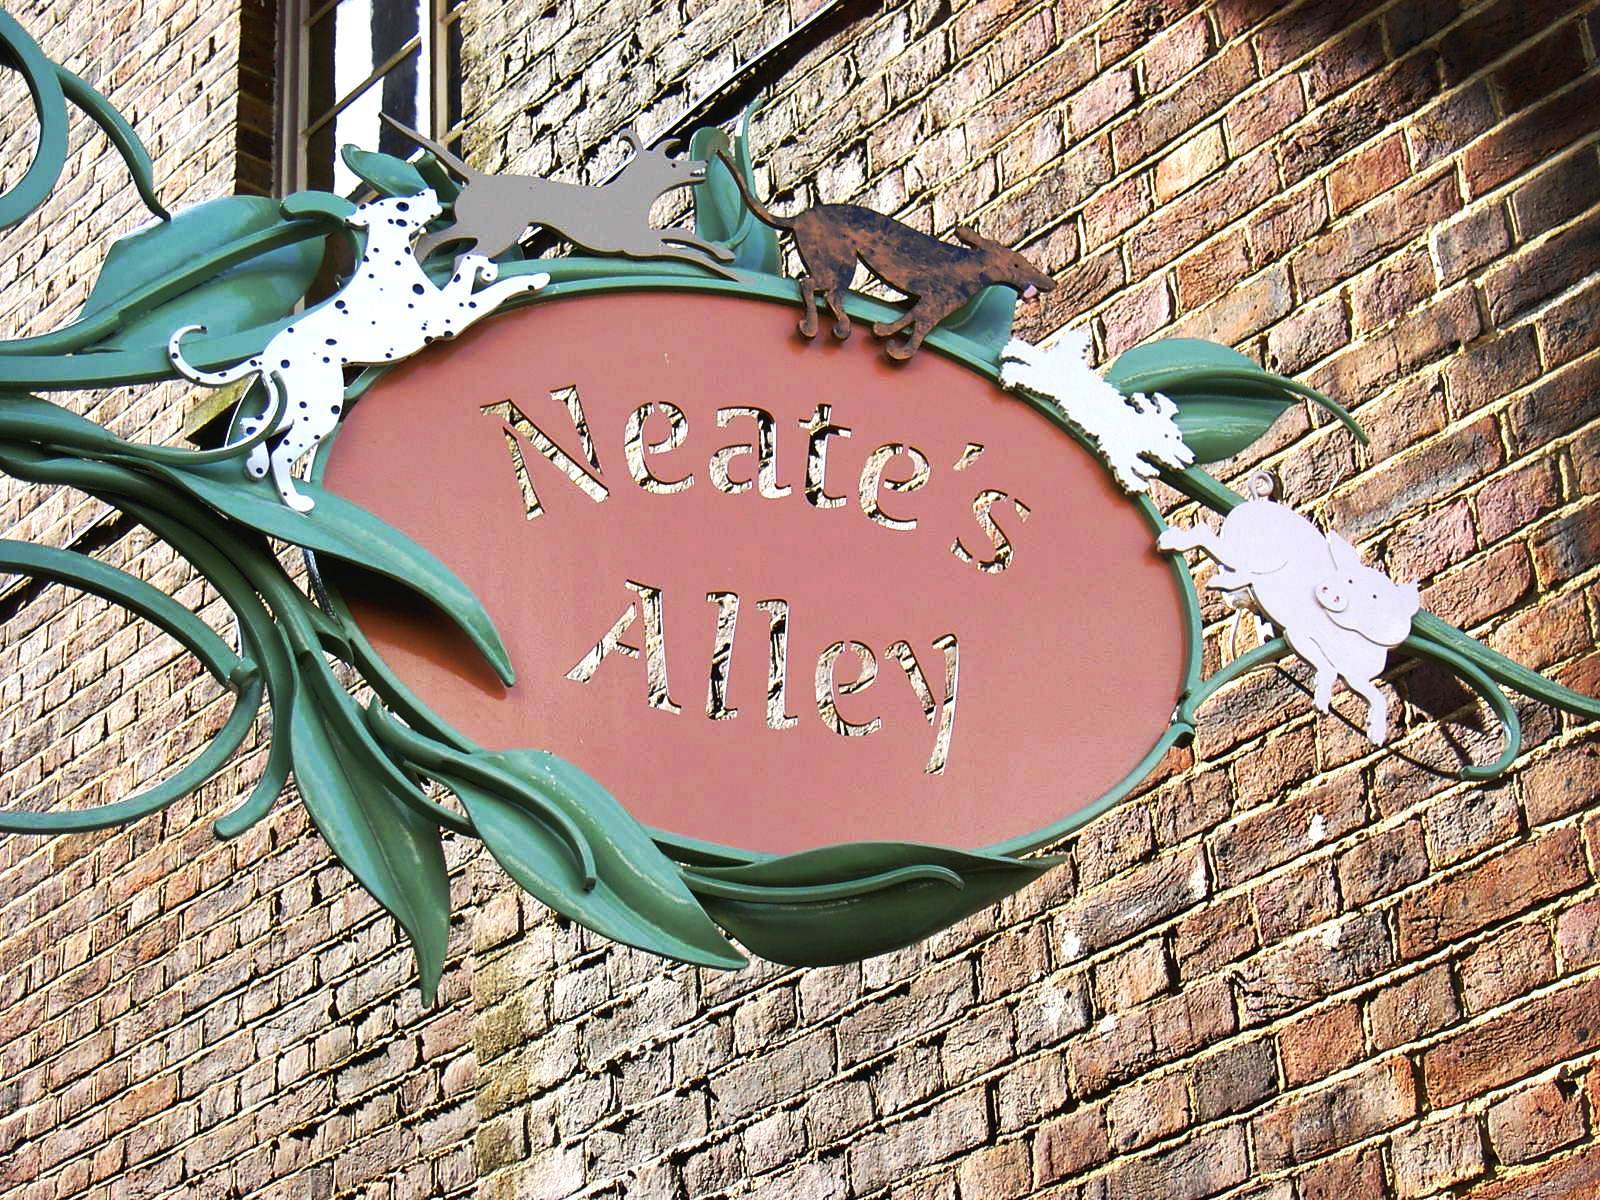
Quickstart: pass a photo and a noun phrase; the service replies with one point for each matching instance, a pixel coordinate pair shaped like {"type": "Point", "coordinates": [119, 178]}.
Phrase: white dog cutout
{"type": "Point", "coordinates": [1338, 614]}
{"type": "Point", "coordinates": [387, 311]}
{"type": "Point", "coordinates": [1135, 435]}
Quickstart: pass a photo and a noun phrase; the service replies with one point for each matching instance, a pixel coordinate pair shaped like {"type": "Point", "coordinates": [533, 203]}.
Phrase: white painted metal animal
{"type": "Point", "coordinates": [1136, 435]}
{"type": "Point", "coordinates": [1338, 614]}
{"type": "Point", "coordinates": [388, 310]}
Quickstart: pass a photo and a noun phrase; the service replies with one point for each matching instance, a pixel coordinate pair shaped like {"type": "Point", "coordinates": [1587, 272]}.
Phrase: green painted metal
{"type": "Point", "coordinates": [241, 265]}
{"type": "Point", "coordinates": [1225, 402]}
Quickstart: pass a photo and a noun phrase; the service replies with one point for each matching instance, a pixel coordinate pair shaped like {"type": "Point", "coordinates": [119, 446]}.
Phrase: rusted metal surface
{"type": "Point", "coordinates": [940, 277]}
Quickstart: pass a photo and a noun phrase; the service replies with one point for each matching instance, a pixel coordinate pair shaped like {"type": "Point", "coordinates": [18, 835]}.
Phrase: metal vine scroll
{"type": "Point", "coordinates": [242, 266]}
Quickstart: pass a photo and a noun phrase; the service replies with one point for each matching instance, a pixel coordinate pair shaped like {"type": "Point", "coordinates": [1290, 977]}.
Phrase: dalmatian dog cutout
{"type": "Point", "coordinates": [387, 311]}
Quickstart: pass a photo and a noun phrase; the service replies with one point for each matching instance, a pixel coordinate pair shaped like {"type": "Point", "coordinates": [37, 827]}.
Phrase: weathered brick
{"type": "Point", "coordinates": [1323, 1042]}
{"type": "Point", "coordinates": [1069, 1144]}
{"type": "Point", "coordinates": [1537, 1120]}
{"type": "Point", "coordinates": [1503, 886]}
{"type": "Point", "coordinates": [1313, 1124]}
{"type": "Point", "coordinates": [1147, 1111]}
{"type": "Point", "coordinates": [1548, 1029]}
{"type": "Point", "coordinates": [1313, 966]}
{"type": "Point", "coordinates": [1512, 963]}
{"type": "Point", "coordinates": [1437, 1155]}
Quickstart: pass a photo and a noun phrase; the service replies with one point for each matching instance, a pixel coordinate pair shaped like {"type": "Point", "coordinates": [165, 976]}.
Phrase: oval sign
{"type": "Point", "coordinates": [773, 594]}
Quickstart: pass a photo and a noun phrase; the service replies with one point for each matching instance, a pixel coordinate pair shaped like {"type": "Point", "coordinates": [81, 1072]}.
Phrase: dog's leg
{"type": "Point", "coordinates": [841, 319]}
{"type": "Point", "coordinates": [900, 351]}
{"type": "Point", "coordinates": [684, 237]}
{"type": "Point", "coordinates": [808, 293]}
{"type": "Point", "coordinates": [889, 329]}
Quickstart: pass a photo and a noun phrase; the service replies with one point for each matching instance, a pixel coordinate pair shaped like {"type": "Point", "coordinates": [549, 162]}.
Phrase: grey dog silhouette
{"type": "Point", "coordinates": [492, 212]}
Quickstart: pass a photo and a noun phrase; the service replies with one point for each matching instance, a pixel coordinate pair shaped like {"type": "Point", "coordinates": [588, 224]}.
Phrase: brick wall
{"type": "Point", "coordinates": [179, 1017]}
{"type": "Point", "coordinates": [1293, 968]}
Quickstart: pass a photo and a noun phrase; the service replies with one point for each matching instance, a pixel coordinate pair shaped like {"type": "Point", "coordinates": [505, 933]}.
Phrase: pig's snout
{"type": "Point", "coordinates": [1030, 292]}
{"type": "Point", "coordinates": [1332, 597]}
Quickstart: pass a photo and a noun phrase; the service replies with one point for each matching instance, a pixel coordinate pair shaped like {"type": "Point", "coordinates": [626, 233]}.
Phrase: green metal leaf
{"type": "Point", "coordinates": [847, 902]}
{"type": "Point", "coordinates": [391, 176]}
{"type": "Point", "coordinates": [346, 531]}
{"type": "Point", "coordinates": [567, 841]}
{"type": "Point", "coordinates": [392, 850]}
{"type": "Point", "coordinates": [263, 289]}
{"type": "Point", "coordinates": [384, 173]}
{"type": "Point", "coordinates": [1225, 402]}
{"type": "Point", "coordinates": [720, 214]}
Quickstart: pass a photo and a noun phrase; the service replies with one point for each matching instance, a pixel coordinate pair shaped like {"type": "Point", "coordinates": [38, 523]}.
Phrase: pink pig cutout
{"type": "Point", "coordinates": [1338, 614]}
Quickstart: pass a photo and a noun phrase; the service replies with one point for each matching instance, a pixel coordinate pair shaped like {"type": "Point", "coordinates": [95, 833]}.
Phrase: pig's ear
{"type": "Point", "coordinates": [1345, 556]}
{"type": "Point", "coordinates": [1411, 595]}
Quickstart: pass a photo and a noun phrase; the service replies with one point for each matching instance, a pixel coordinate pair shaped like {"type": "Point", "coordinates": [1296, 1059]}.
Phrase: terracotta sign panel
{"type": "Point", "coordinates": [773, 594]}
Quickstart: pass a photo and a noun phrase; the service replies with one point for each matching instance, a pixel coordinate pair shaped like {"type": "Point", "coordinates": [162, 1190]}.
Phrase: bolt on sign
{"type": "Point", "coordinates": [727, 608]}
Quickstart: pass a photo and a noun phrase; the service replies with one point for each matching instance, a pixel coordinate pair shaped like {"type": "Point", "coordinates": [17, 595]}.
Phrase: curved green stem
{"type": "Point", "coordinates": [49, 105]}
{"type": "Point", "coordinates": [1248, 661]}
{"type": "Point", "coordinates": [1510, 723]}
{"type": "Point", "coordinates": [242, 677]}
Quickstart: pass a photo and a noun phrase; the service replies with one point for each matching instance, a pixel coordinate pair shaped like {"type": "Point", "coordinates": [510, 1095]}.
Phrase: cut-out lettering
{"type": "Point", "coordinates": [518, 426]}
{"type": "Point", "coordinates": [872, 481]}
{"type": "Point", "coordinates": [634, 448]}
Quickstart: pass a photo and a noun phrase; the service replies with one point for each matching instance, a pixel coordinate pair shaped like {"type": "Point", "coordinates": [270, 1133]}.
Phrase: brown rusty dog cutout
{"type": "Point", "coordinates": [492, 212]}
{"type": "Point", "coordinates": [940, 277]}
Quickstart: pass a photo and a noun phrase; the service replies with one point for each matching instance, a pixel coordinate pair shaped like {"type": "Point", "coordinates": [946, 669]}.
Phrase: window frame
{"type": "Point", "coordinates": [296, 125]}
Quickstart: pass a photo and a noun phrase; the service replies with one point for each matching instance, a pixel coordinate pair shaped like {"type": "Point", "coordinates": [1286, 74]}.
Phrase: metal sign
{"type": "Point", "coordinates": [709, 632]}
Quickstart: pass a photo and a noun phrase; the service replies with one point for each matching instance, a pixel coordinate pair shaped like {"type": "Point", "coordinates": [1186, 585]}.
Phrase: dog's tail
{"type": "Point", "coordinates": [761, 211]}
{"type": "Point", "coordinates": [439, 152]}
{"type": "Point", "coordinates": [208, 378]}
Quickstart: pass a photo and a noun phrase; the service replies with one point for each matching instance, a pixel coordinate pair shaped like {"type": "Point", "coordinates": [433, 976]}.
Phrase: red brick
{"type": "Point", "coordinates": [1358, 115]}
{"type": "Point", "coordinates": [1533, 136]}
{"type": "Point", "coordinates": [1567, 546]}
{"type": "Point", "coordinates": [1133, 902]}
{"type": "Point", "coordinates": [1436, 1156]}
{"type": "Point", "coordinates": [1321, 1043]}
{"type": "Point", "coordinates": [1358, 1173]}
{"type": "Point", "coordinates": [1572, 1177]}
{"type": "Point", "coordinates": [1571, 327]}
{"type": "Point", "coordinates": [1175, 51]}
{"type": "Point", "coordinates": [1546, 1030]}
{"type": "Point", "coordinates": [1220, 933]}
{"type": "Point", "coordinates": [1537, 274]}
{"type": "Point", "coordinates": [1316, 965]}
{"type": "Point", "coordinates": [1560, 403]}
{"type": "Point", "coordinates": [1147, 1111]}
{"type": "Point", "coordinates": [1562, 782]}
{"type": "Point", "coordinates": [1390, 223]}
{"type": "Point", "coordinates": [1233, 1080]}
{"type": "Point", "coordinates": [1187, 164]}
{"type": "Point", "coordinates": [1478, 237]}
{"type": "Point", "coordinates": [1508, 965]}
{"type": "Point", "coordinates": [1274, 835]}
{"type": "Point", "coordinates": [1402, 485]}
{"type": "Point", "coordinates": [1191, 1170]}
{"type": "Point", "coordinates": [1264, 114]}
{"type": "Point", "coordinates": [1382, 863]}
{"type": "Point", "coordinates": [1501, 887]}
{"type": "Point", "coordinates": [1069, 1144]}
{"type": "Point", "coordinates": [1431, 543]}
{"type": "Point", "coordinates": [1537, 1120]}
{"type": "Point", "coordinates": [1369, 173]}
{"type": "Point", "coordinates": [1412, 1009]}
{"type": "Point", "coordinates": [1310, 1125]}
{"type": "Point", "coordinates": [1493, 30]}
{"type": "Point", "coordinates": [1299, 898]}
{"type": "Point", "coordinates": [1578, 935]}
{"type": "Point", "coordinates": [1162, 120]}
{"type": "Point", "coordinates": [1557, 194]}
{"type": "Point", "coordinates": [1133, 977]}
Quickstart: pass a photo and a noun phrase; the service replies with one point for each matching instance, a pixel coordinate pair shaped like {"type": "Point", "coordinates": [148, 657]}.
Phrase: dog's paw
{"type": "Point", "coordinates": [1171, 540]}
